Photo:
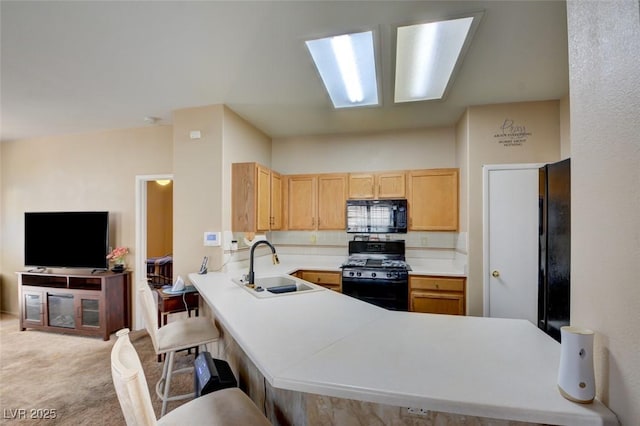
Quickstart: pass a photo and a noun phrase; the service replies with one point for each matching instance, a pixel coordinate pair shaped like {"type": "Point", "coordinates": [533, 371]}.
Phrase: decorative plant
{"type": "Point", "coordinates": [118, 254]}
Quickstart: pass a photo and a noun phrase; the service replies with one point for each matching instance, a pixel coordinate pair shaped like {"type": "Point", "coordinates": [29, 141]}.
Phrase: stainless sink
{"type": "Point", "coordinates": [277, 285]}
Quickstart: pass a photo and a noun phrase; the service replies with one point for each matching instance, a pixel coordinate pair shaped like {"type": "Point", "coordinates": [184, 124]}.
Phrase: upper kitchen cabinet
{"type": "Point", "coordinates": [377, 185]}
{"type": "Point", "coordinates": [433, 200]}
{"type": "Point", "coordinates": [301, 201]}
{"type": "Point", "coordinates": [316, 201]}
{"type": "Point", "coordinates": [256, 198]}
{"type": "Point", "coordinates": [332, 201]}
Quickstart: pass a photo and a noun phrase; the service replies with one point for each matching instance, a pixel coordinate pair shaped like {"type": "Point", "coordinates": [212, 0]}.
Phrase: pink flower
{"type": "Point", "coordinates": [118, 254]}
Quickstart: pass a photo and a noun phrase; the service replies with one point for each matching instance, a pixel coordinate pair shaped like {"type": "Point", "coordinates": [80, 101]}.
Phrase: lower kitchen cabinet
{"type": "Point", "coordinates": [327, 279]}
{"type": "Point", "coordinates": [437, 295]}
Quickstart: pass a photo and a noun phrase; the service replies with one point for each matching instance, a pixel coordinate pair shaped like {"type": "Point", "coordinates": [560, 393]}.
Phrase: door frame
{"type": "Point", "coordinates": [141, 241]}
{"type": "Point", "coordinates": [486, 169]}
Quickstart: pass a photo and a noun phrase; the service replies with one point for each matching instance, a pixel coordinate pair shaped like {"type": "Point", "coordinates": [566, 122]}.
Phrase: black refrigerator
{"type": "Point", "coordinates": [554, 254]}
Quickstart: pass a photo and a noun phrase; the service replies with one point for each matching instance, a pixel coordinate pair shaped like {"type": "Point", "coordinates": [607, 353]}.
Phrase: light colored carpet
{"type": "Point", "coordinates": [71, 375]}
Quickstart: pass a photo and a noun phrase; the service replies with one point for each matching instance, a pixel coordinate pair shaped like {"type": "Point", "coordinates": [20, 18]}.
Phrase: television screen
{"type": "Point", "coordinates": [66, 239]}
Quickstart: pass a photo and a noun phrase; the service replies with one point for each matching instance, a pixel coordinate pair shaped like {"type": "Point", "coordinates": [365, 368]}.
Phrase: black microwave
{"type": "Point", "coordinates": [377, 216]}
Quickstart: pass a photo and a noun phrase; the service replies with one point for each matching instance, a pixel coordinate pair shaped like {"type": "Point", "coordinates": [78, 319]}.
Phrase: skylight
{"type": "Point", "coordinates": [346, 64]}
{"type": "Point", "coordinates": [426, 56]}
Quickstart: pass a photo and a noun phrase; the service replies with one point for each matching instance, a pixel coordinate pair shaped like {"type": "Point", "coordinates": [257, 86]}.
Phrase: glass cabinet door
{"type": "Point", "coordinates": [61, 310]}
{"type": "Point", "coordinates": [89, 312]}
{"type": "Point", "coordinates": [33, 307]}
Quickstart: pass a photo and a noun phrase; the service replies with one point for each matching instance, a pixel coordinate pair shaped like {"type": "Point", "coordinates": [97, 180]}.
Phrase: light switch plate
{"type": "Point", "coordinates": [212, 238]}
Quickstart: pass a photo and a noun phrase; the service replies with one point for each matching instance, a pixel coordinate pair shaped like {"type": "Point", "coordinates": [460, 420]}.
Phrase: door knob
{"type": "Point", "coordinates": [495, 274]}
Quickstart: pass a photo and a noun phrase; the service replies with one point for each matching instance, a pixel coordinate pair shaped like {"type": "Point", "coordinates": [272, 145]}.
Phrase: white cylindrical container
{"type": "Point", "coordinates": [576, 380]}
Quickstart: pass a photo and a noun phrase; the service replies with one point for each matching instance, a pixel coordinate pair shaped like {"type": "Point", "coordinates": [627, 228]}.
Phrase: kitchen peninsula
{"type": "Point", "coordinates": [320, 356]}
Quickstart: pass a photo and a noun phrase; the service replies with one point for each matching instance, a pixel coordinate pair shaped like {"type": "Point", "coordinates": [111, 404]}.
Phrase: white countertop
{"type": "Point", "coordinates": [327, 343]}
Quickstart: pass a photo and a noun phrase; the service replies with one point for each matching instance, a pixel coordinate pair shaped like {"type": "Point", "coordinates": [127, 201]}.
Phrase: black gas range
{"type": "Point", "coordinates": [376, 272]}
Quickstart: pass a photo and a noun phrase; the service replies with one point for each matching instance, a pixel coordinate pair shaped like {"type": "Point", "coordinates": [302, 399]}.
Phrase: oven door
{"type": "Point", "coordinates": [389, 294]}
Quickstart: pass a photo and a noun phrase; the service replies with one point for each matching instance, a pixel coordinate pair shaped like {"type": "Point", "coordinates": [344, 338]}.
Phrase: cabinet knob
{"type": "Point", "coordinates": [495, 273]}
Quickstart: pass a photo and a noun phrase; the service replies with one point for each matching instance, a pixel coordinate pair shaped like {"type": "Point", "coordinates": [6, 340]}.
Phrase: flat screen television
{"type": "Point", "coordinates": [66, 239]}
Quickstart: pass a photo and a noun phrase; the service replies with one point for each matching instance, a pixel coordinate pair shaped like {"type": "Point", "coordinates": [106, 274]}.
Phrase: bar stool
{"type": "Point", "coordinates": [226, 407]}
{"type": "Point", "coordinates": [184, 333]}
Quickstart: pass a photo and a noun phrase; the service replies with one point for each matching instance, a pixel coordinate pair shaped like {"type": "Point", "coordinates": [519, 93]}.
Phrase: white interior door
{"type": "Point", "coordinates": [511, 241]}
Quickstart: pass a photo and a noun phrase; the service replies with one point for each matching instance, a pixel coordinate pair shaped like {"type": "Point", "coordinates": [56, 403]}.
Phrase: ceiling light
{"type": "Point", "coordinates": [426, 56]}
{"type": "Point", "coordinates": [346, 64]}
{"type": "Point", "coordinates": [163, 182]}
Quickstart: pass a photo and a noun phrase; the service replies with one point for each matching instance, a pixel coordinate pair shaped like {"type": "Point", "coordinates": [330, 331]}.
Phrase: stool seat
{"type": "Point", "coordinates": [185, 333]}
{"type": "Point", "coordinates": [224, 407]}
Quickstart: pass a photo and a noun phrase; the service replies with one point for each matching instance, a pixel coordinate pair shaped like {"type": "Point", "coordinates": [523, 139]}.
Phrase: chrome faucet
{"type": "Point", "coordinates": [251, 275]}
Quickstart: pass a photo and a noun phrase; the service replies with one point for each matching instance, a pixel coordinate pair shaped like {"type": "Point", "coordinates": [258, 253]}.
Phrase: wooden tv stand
{"type": "Point", "coordinates": [84, 304]}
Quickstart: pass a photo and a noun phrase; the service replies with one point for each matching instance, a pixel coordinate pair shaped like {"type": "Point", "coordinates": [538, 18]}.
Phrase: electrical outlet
{"type": "Point", "coordinates": [418, 411]}
{"type": "Point", "coordinates": [313, 238]}
{"type": "Point", "coordinates": [424, 241]}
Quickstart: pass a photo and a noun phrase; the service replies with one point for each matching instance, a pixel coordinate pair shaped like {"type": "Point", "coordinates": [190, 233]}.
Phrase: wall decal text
{"type": "Point", "coordinates": [511, 134]}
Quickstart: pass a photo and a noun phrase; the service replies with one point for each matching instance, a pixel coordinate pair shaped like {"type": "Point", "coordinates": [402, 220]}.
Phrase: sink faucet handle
{"type": "Point", "coordinates": [275, 259]}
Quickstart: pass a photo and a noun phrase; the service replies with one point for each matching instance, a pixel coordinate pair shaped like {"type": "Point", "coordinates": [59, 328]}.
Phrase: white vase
{"type": "Point", "coordinates": [576, 380]}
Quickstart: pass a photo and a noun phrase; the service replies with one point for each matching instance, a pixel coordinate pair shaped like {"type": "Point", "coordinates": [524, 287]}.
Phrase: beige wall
{"type": "Point", "coordinates": [462, 161]}
{"type": "Point", "coordinates": [242, 143]}
{"type": "Point", "coordinates": [540, 121]}
{"type": "Point", "coordinates": [604, 58]}
{"type": "Point", "coordinates": [414, 149]}
{"type": "Point", "coordinates": [197, 186]}
{"type": "Point", "coordinates": [78, 172]}
{"type": "Point", "coordinates": [202, 178]}
{"type": "Point", "coordinates": [159, 219]}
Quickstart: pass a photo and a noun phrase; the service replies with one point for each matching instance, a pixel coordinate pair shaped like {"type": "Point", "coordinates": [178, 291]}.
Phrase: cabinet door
{"type": "Point", "coordinates": [61, 310]}
{"type": "Point", "coordinates": [243, 197]}
{"type": "Point", "coordinates": [437, 302]}
{"type": "Point", "coordinates": [361, 185]}
{"type": "Point", "coordinates": [327, 279]}
{"type": "Point", "coordinates": [276, 201]}
{"type": "Point", "coordinates": [450, 284]}
{"type": "Point", "coordinates": [332, 196]}
{"type": "Point", "coordinates": [433, 200]}
{"type": "Point", "coordinates": [391, 185]}
{"type": "Point", "coordinates": [88, 315]}
{"type": "Point", "coordinates": [302, 202]}
{"type": "Point", "coordinates": [32, 308]}
{"type": "Point", "coordinates": [263, 178]}
{"type": "Point", "coordinates": [256, 198]}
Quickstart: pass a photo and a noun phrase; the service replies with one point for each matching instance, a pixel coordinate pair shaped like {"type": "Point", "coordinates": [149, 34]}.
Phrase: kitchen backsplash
{"type": "Point", "coordinates": [420, 246]}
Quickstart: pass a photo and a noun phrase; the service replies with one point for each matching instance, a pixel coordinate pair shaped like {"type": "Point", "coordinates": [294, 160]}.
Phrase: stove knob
{"type": "Point", "coordinates": [373, 275]}
{"type": "Point", "coordinates": [351, 273]}
{"type": "Point", "coordinates": [389, 275]}
{"type": "Point", "coordinates": [358, 274]}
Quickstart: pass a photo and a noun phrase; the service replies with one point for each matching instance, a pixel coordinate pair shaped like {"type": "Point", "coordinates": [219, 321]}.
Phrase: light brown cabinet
{"type": "Point", "coordinates": [433, 199]}
{"type": "Point", "coordinates": [316, 201]}
{"type": "Point", "coordinates": [332, 200]}
{"type": "Point", "coordinates": [256, 198]}
{"type": "Point", "coordinates": [437, 295]}
{"type": "Point", "coordinates": [328, 279]}
{"type": "Point", "coordinates": [90, 305]}
{"type": "Point", "coordinates": [301, 201]}
{"type": "Point", "coordinates": [377, 185]}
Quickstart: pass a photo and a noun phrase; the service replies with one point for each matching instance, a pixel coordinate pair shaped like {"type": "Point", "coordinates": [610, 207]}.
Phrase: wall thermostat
{"type": "Point", "coordinates": [211, 238]}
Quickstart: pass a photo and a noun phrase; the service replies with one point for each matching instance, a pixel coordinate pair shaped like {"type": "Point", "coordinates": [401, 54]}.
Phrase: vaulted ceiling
{"type": "Point", "coordinates": [71, 67]}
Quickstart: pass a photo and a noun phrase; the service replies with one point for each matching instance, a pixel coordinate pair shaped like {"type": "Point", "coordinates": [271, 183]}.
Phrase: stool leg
{"type": "Point", "coordinates": [167, 383]}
